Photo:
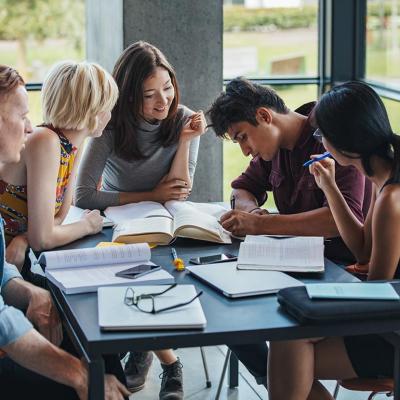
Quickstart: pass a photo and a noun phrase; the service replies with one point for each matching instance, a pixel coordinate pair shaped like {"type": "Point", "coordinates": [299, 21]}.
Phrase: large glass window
{"type": "Point", "coordinates": [270, 38]}
{"type": "Point", "coordinates": [383, 42]}
{"type": "Point", "coordinates": [393, 110]}
{"type": "Point", "coordinates": [266, 39]}
{"type": "Point", "coordinates": [35, 34]}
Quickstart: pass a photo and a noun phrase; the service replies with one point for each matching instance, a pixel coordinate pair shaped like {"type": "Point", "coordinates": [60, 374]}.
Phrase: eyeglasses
{"type": "Point", "coordinates": [318, 135]}
{"type": "Point", "coordinates": [145, 302]}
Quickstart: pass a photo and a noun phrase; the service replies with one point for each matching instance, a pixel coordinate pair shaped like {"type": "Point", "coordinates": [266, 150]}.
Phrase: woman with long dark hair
{"type": "Point", "coordinates": [148, 152]}
{"type": "Point", "coordinates": [354, 127]}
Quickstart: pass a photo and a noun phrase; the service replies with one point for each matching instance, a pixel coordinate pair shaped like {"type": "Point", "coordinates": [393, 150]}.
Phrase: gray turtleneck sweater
{"type": "Point", "coordinates": [118, 175]}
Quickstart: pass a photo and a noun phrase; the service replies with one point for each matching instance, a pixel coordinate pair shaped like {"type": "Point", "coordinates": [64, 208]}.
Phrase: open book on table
{"type": "Point", "coordinates": [153, 222]}
{"type": "Point", "coordinates": [84, 270]}
{"type": "Point", "coordinates": [282, 253]}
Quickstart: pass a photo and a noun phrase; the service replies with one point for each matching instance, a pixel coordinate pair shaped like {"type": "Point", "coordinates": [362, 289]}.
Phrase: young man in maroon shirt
{"type": "Point", "coordinates": [280, 141]}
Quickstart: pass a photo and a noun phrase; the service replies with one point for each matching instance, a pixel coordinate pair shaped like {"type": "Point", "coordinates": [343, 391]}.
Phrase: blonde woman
{"type": "Point", "coordinates": [77, 99]}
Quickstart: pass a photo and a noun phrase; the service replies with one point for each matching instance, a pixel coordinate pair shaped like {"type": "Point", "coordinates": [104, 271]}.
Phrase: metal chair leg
{"type": "Point", "coordinates": [221, 380]}
{"type": "Point", "coordinates": [233, 372]}
{"type": "Point", "coordinates": [336, 391]}
{"type": "Point", "coordinates": [203, 357]}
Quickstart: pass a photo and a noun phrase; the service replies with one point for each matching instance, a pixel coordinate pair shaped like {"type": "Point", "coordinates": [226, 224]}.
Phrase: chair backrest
{"type": "Point", "coordinates": [379, 385]}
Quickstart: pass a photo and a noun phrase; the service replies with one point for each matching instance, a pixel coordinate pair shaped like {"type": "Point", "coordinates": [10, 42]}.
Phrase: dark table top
{"type": "Point", "coordinates": [229, 321]}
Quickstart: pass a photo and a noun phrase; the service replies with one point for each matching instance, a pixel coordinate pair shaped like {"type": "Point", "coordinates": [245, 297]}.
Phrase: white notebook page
{"type": "Point", "coordinates": [144, 209]}
{"type": "Point", "coordinates": [288, 251]}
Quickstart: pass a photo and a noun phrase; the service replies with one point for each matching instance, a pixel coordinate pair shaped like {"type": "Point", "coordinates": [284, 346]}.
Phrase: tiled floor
{"type": "Point", "coordinates": [195, 385]}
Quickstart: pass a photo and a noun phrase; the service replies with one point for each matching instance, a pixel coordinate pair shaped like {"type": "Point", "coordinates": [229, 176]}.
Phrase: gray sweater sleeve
{"type": "Point", "coordinates": [193, 152]}
{"type": "Point", "coordinates": [194, 146]}
{"type": "Point", "coordinates": [89, 174]}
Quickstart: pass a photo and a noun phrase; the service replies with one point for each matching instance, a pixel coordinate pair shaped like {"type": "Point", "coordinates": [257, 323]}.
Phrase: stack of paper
{"type": "Point", "coordinates": [282, 253]}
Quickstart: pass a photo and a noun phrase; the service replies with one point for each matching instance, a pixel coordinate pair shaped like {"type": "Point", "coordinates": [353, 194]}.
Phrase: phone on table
{"type": "Point", "coordinates": [215, 258]}
{"type": "Point", "coordinates": [137, 271]}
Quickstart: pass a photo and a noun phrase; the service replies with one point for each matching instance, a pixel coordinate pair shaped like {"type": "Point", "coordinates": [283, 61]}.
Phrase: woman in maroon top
{"type": "Point", "coordinates": [355, 129]}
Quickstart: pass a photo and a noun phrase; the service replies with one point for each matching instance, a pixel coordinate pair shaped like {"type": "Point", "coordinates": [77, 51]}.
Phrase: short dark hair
{"type": "Point", "coordinates": [9, 79]}
{"type": "Point", "coordinates": [240, 102]}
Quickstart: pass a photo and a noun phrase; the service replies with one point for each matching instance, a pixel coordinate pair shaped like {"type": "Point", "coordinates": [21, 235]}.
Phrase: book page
{"type": "Point", "coordinates": [215, 210]}
{"type": "Point", "coordinates": [95, 256]}
{"type": "Point", "coordinates": [284, 251]}
{"type": "Point", "coordinates": [200, 220]}
{"type": "Point", "coordinates": [144, 226]}
{"type": "Point", "coordinates": [144, 209]}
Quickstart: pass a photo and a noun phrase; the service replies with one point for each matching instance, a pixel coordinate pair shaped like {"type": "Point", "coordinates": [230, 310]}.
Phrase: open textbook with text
{"type": "Point", "coordinates": [84, 270]}
{"type": "Point", "coordinates": [153, 222]}
{"type": "Point", "coordinates": [282, 253]}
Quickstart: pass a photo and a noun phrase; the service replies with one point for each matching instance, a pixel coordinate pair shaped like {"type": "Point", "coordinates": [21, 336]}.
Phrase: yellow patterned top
{"type": "Point", "coordinates": [13, 198]}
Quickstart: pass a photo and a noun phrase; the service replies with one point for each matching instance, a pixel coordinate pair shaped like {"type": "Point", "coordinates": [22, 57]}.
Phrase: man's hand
{"type": "Point", "coordinates": [15, 252]}
{"type": "Point", "coordinates": [113, 388]}
{"type": "Point", "coordinates": [43, 314]}
{"type": "Point", "coordinates": [241, 223]}
{"type": "Point", "coordinates": [259, 211]}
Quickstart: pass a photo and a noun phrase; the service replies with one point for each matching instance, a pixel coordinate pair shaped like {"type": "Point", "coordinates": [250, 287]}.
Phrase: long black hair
{"type": "Point", "coordinates": [353, 118]}
{"type": "Point", "coordinates": [135, 64]}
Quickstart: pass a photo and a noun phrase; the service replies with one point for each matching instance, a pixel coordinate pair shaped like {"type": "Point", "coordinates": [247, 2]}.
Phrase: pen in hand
{"type": "Point", "coordinates": [232, 202]}
{"type": "Point", "coordinates": [312, 161]}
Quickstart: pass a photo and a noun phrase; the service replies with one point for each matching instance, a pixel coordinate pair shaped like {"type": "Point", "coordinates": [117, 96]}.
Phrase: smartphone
{"type": "Point", "coordinates": [216, 258]}
{"type": "Point", "coordinates": [137, 271]}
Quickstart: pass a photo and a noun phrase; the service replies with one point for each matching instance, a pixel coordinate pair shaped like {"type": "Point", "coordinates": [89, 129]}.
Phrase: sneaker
{"type": "Point", "coordinates": [171, 384]}
{"type": "Point", "coordinates": [137, 368]}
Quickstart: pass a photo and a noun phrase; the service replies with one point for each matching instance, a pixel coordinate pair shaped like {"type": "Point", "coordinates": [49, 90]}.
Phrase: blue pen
{"type": "Point", "coordinates": [309, 162]}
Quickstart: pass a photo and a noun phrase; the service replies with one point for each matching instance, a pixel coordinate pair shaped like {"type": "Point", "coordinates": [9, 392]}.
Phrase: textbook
{"type": "Point", "coordinates": [354, 291]}
{"type": "Point", "coordinates": [153, 222]}
{"type": "Point", "coordinates": [282, 253]}
{"type": "Point", "coordinates": [84, 270]}
{"type": "Point", "coordinates": [75, 215]}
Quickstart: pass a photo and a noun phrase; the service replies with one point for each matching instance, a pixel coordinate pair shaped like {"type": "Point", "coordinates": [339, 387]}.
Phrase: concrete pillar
{"type": "Point", "coordinates": [189, 33]}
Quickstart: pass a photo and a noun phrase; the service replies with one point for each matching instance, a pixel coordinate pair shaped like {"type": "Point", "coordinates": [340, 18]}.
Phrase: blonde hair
{"type": "Point", "coordinates": [73, 94]}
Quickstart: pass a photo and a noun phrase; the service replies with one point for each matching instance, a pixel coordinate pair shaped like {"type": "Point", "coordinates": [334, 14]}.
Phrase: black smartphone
{"type": "Point", "coordinates": [215, 258]}
{"type": "Point", "coordinates": [137, 270]}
